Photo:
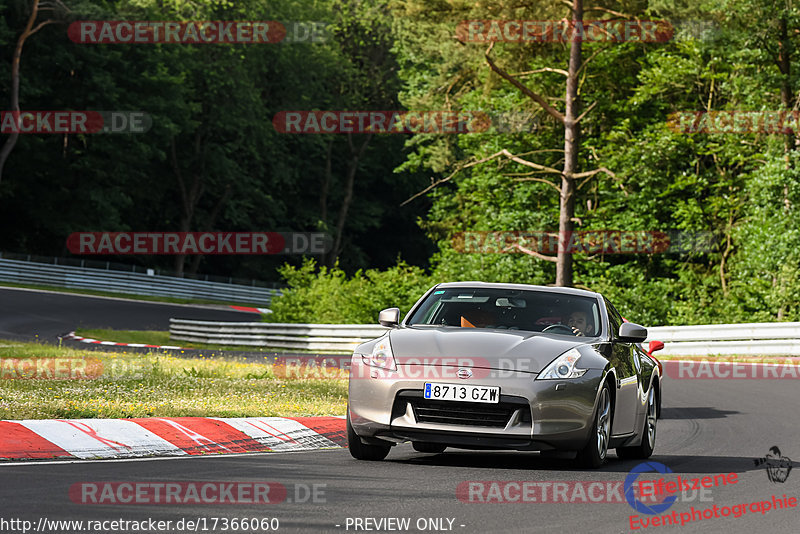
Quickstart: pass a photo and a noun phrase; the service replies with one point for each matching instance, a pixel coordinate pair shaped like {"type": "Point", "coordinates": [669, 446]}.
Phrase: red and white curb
{"type": "Point", "coordinates": [82, 339]}
{"type": "Point", "coordinates": [91, 439]}
{"type": "Point", "coordinates": [251, 309]}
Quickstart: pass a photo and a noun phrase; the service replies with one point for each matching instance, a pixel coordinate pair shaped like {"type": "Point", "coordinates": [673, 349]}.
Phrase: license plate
{"type": "Point", "coordinates": [456, 392]}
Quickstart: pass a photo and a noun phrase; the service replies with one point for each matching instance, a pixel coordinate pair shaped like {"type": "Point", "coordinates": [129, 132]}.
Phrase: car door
{"type": "Point", "coordinates": [622, 358]}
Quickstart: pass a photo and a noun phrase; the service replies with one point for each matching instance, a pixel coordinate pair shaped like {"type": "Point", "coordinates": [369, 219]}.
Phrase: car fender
{"type": "Point", "coordinates": [610, 376]}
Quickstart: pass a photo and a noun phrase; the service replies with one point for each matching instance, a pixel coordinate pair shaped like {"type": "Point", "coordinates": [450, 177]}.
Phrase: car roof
{"type": "Point", "coordinates": [529, 287]}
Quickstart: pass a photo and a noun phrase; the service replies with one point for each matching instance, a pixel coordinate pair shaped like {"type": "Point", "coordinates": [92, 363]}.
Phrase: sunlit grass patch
{"type": "Point", "coordinates": [158, 385]}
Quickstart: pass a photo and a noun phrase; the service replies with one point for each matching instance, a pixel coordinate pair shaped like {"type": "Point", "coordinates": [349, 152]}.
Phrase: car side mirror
{"type": "Point", "coordinates": [654, 346]}
{"type": "Point", "coordinates": [632, 333]}
{"type": "Point", "coordinates": [389, 317]}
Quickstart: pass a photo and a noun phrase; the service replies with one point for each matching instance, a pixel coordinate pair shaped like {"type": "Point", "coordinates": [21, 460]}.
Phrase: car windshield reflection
{"type": "Point", "coordinates": [507, 309]}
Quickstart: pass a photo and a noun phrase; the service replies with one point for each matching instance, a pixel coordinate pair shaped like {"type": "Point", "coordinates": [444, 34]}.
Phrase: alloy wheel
{"type": "Point", "coordinates": [603, 424]}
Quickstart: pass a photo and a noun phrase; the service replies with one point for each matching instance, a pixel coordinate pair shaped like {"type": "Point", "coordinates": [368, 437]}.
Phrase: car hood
{"type": "Point", "coordinates": [477, 347]}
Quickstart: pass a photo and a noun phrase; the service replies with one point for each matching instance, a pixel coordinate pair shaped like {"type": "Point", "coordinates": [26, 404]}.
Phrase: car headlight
{"type": "Point", "coordinates": [381, 355]}
{"type": "Point", "coordinates": [563, 367]}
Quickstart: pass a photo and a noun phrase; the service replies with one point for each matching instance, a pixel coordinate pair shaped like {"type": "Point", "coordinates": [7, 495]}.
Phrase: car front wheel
{"type": "Point", "coordinates": [645, 448]}
{"type": "Point", "coordinates": [361, 451]}
{"type": "Point", "coordinates": [594, 453]}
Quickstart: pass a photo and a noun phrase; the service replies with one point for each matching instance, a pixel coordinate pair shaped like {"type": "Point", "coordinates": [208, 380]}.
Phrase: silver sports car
{"type": "Point", "coordinates": [505, 366]}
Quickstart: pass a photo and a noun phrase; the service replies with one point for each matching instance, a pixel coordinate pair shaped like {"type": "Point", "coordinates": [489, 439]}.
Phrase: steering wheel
{"type": "Point", "coordinates": [559, 326]}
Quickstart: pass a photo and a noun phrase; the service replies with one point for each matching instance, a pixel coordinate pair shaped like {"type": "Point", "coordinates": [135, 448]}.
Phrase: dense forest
{"type": "Point", "coordinates": [683, 129]}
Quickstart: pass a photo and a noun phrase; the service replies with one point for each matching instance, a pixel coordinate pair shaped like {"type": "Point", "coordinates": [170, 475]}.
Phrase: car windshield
{"type": "Point", "coordinates": [511, 309]}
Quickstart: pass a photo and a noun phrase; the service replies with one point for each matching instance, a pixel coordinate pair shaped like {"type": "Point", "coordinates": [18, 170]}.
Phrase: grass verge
{"type": "Point", "coordinates": [120, 385]}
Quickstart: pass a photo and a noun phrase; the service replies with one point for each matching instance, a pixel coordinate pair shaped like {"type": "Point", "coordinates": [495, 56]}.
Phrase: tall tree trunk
{"type": "Point", "coordinates": [190, 197]}
{"type": "Point", "coordinates": [208, 225]}
{"type": "Point", "coordinates": [572, 134]}
{"type": "Point", "coordinates": [323, 194]}
{"type": "Point", "coordinates": [571, 120]}
{"type": "Point", "coordinates": [352, 168]}
{"type": "Point", "coordinates": [29, 30]}
{"type": "Point", "coordinates": [725, 254]}
{"type": "Point", "coordinates": [180, 259]}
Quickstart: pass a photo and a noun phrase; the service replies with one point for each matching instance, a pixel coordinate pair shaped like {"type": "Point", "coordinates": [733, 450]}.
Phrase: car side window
{"type": "Point", "coordinates": [615, 319]}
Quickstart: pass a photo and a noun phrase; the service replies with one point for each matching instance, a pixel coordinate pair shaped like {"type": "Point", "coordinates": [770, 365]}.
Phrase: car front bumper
{"type": "Point", "coordinates": [531, 415]}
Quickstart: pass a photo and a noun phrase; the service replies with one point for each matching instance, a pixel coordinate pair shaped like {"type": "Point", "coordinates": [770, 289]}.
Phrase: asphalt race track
{"type": "Point", "coordinates": [43, 315]}
{"type": "Point", "coordinates": [708, 427]}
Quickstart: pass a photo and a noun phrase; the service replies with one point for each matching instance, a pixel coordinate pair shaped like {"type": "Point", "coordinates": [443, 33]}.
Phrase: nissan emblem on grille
{"type": "Point", "coordinates": [464, 373]}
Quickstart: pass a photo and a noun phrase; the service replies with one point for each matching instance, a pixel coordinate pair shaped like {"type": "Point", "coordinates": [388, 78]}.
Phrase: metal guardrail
{"type": "Point", "coordinates": [772, 347]}
{"type": "Point", "coordinates": [751, 338]}
{"type": "Point", "coordinates": [317, 337]}
{"type": "Point", "coordinates": [772, 339]}
{"type": "Point", "coordinates": [23, 272]}
{"type": "Point", "coordinates": [725, 332]}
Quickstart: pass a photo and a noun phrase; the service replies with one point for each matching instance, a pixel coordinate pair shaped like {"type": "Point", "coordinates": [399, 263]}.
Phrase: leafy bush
{"type": "Point", "coordinates": [325, 295]}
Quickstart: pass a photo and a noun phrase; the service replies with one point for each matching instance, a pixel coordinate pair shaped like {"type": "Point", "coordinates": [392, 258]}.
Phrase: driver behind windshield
{"type": "Point", "coordinates": [580, 323]}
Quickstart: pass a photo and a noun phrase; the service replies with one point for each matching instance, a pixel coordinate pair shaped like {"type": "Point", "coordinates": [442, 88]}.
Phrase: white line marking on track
{"type": "Point", "coordinates": [28, 463]}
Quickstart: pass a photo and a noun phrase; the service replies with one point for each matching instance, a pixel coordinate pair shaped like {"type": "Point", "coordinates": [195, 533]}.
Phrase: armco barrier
{"type": "Point", "coordinates": [750, 338]}
{"type": "Point", "coordinates": [773, 339]}
{"type": "Point", "coordinates": [317, 337]}
{"type": "Point", "coordinates": [23, 272]}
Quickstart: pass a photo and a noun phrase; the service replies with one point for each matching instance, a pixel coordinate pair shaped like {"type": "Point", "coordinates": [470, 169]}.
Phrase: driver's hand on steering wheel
{"type": "Point", "coordinates": [576, 331]}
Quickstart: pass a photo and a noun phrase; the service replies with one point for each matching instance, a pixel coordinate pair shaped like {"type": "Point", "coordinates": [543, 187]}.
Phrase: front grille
{"type": "Point", "coordinates": [427, 411]}
{"type": "Point", "coordinates": [462, 413]}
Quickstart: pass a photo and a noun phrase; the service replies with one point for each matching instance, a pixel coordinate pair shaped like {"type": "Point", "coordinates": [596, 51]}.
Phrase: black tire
{"type": "Point", "coordinates": [361, 451]}
{"type": "Point", "coordinates": [593, 455]}
{"type": "Point", "coordinates": [424, 446]}
{"type": "Point", "coordinates": [645, 448]}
